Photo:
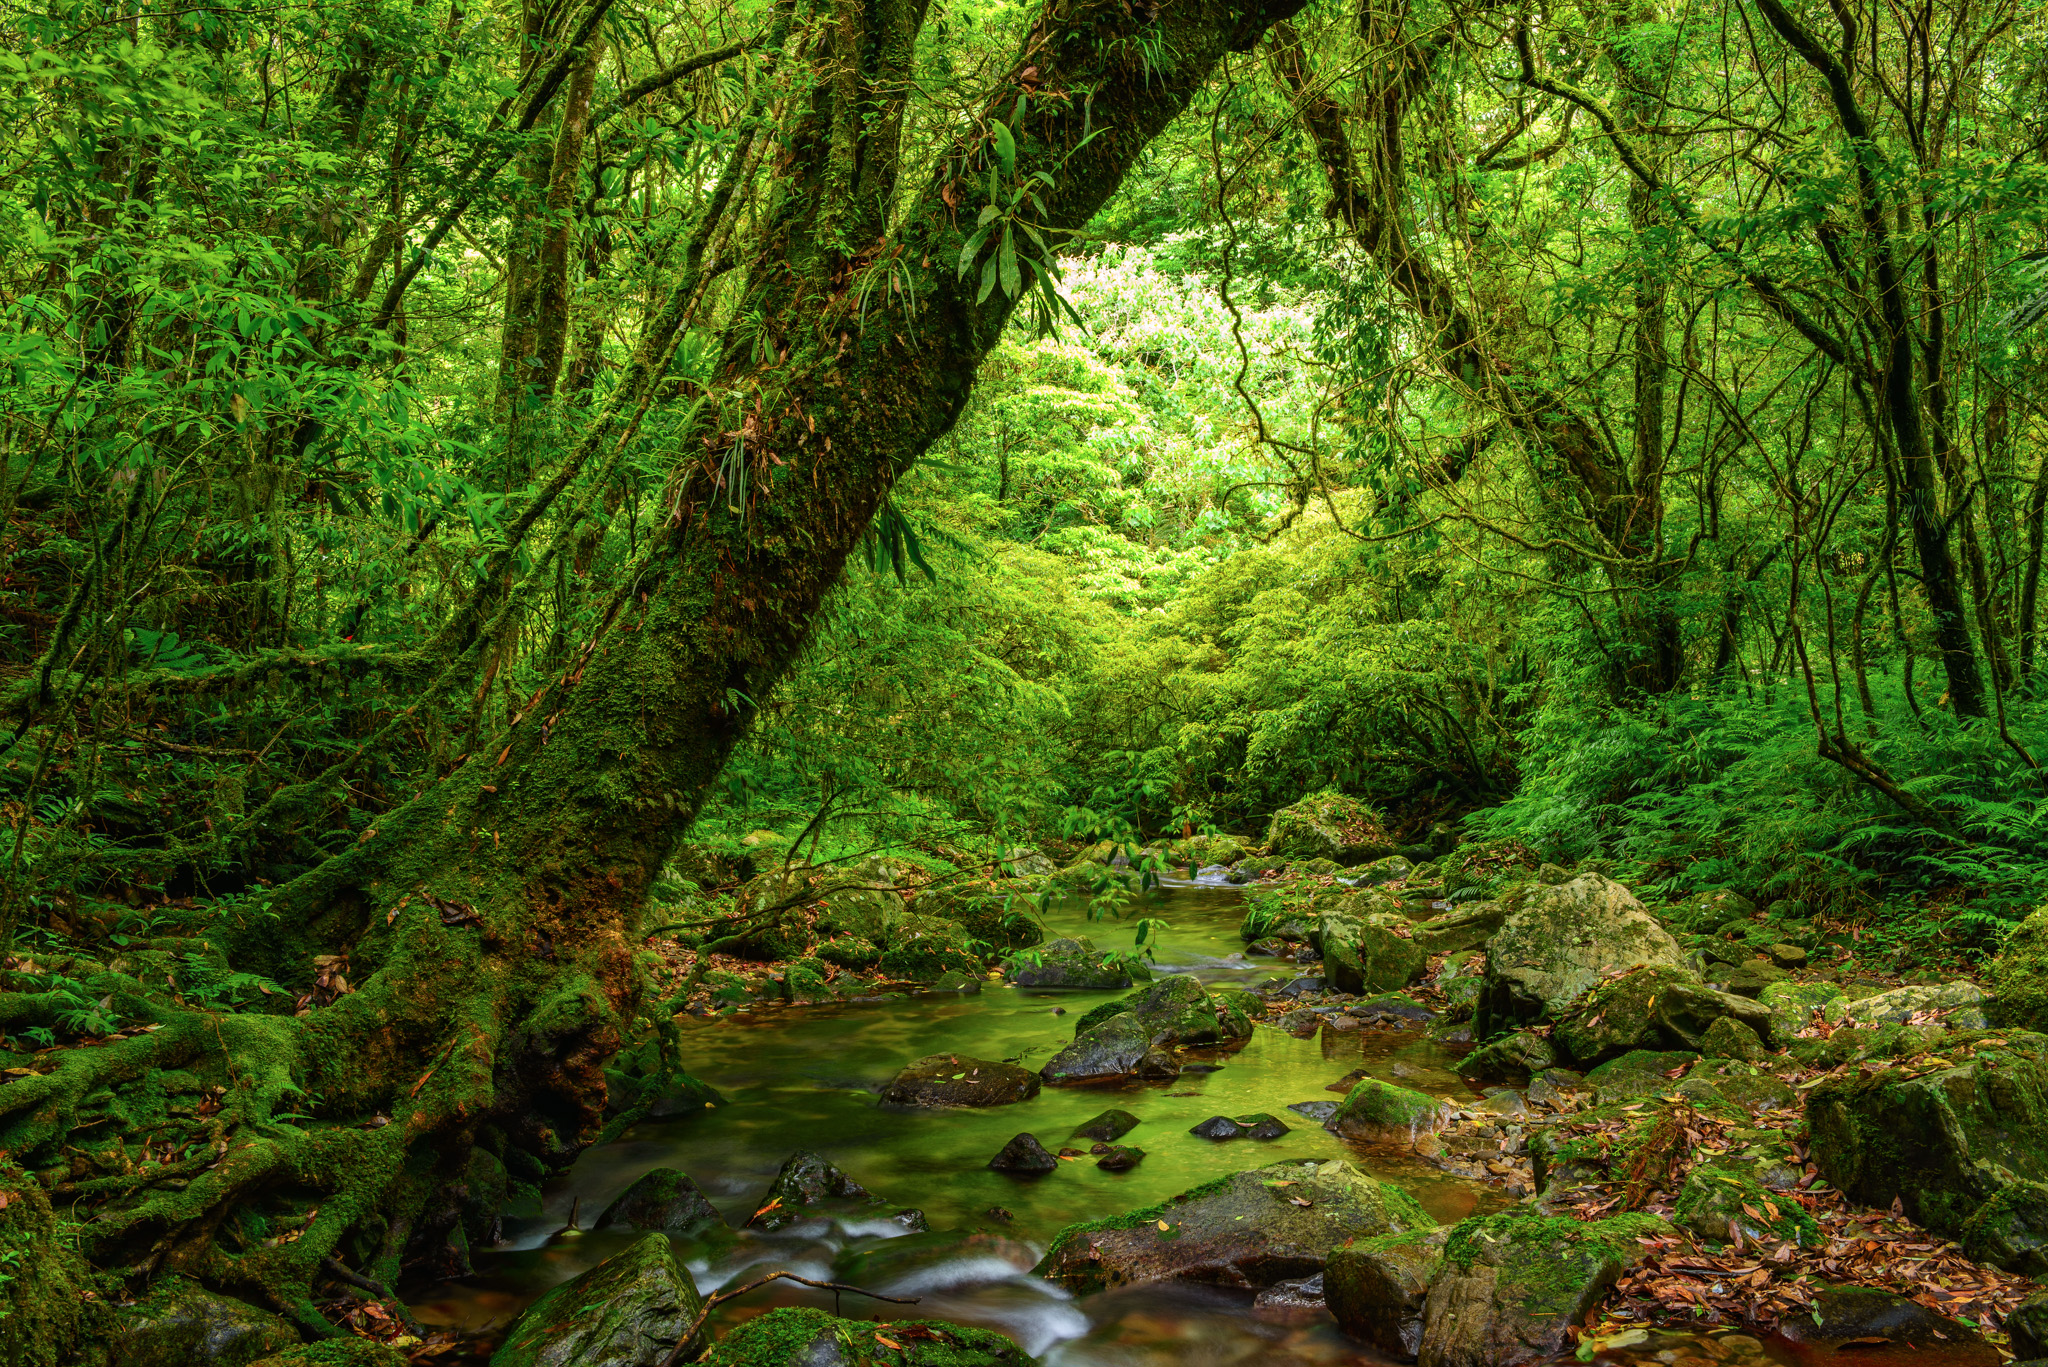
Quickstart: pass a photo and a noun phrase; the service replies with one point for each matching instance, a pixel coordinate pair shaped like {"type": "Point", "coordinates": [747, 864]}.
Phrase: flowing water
{"type": "Point", "coordinates": [808, 1078]}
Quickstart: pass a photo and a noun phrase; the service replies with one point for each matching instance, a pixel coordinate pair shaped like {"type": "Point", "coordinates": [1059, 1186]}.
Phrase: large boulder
{"type": "Point", "coordinates": [1072, 962]}
{"type": "Point", "coordinates": [1558, 940]}
{"type": "Point", "coordinates": [1250, 1229]}
{"type": "Point", "coordinates": [631, 1310]}
{"type": "Point", "coordinates": [1377, 1288]}
{"type": "Point", "coordinates": [2019, 975]}
{"type": "Point", "coordinates": [801, 1337]}
{"type": "Point", "coordinates": [1792, 1005]}
{"type": "Point", "coordinates": [662, 1198]}
{"type": "Point", "coordinates": [1381, 1113]}
{"type": "Point", "coordinates": [1374, 952]}
{"type": "Point", "coordinates": [1942, 1135]}
{"type": "Point", "coordinates": [1721, 1203]}
{"type": "Point", "coordinates": [1329, 825]}
{"type": "Point", "coordinates": [956, 1080]}
{"type": "Point", "coordinates": [1512, 1286]}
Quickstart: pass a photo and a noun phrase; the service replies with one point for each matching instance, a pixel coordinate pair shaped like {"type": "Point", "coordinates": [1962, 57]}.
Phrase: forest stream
{"type": "Point", "coordinates": [808, 1078]}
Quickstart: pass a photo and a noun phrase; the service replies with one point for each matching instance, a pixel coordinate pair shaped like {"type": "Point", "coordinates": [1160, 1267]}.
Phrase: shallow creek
{"type": "Point", "coordinates": [808, 1078]}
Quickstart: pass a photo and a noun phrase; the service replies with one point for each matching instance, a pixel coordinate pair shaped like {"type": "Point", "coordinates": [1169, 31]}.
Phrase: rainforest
{"type": "Point", "coordinates": [1093, 683]}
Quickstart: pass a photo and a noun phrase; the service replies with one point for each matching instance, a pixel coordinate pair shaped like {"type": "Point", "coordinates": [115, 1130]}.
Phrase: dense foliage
{"type": "Point", "coordinates": [1621, 428]}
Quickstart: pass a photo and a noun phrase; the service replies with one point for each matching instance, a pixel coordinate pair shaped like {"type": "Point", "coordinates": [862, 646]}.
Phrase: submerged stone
{"type": "Point", "coordinates": [1109, 1125]}
{"type": "Point", "coordinates": [956, 1080]}
{"type": "Point", "coordinates": [1119, 1158]}
{"type": "Point", "coordinates": [805, 1182]}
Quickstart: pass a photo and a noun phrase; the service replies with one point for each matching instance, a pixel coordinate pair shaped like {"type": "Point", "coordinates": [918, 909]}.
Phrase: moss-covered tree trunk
{"type": "Point", "coordinates": [490, 927]}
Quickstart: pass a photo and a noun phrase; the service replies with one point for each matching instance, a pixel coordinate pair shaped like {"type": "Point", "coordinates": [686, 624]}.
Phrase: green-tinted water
{"type": "Point", "coordinates": [808, 1078]}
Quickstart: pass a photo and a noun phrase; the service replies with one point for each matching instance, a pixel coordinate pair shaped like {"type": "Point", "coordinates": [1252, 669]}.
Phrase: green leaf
{"type": "Point", "coordinates": [1013, 281]}
{"type": "Point", "coordinates": [1006, 146]}
{"type": "Point", "coordinates": [988, 280]}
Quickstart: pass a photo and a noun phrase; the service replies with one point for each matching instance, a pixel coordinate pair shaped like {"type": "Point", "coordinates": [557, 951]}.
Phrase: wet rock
{"type": "Point", "coordinates": [182, 1324]}
{"type": "Point", "coordinates": [924, 949]}
{"type": "Point", "coordinates": [1119, 1047]}
{"type": "Point", "coordinates": [1717, 1202]}
{"type": "Point", "coordinates": [1299, 987]}
{"type": "Point", "coordinates": [1376, 1288]}
{"type": "Point", "coordinates": [1069, 962]}
{"type": "Point", "coordinates": [1392, 1007]}
{"type": "Point", "coordinates": [1559, 940]}
{"type": "Point", "coordinates": [1511, 1056]}
{"type": "Point", "coordinates": [1259, 1126]}
{"type": "Point", "coordinates": [1555, 1087]}
{"type": "Point", "coordinates": [1119, 1158]}
{"type": "Point", "coordinates": [1023, 1154]}
{"type": "Point", "coordinates": [1250, 1229]}
{"type": "Point", "coordinates": [631, 1310]}
{"type": "Point", "coordinates": [1318, 1111]}
{"type": "Point", "coordinates": [1380, 1113]}
{"type": "Point", "coordinates": [1846, 1314]}
{"type": "Point", "coordinates": [804, 1183]}
{"type": "Point", "coordinates": [1505, 1102]}
{"type": "Point", "coordinates": [1958, 1005]}
{"type": "Point", "coordinates": [1329, 825]}
{"type": "Point", "coordinates": [956, 1080]}
{"type": "Point", "coordinates": [796, 1337]}
{"type": "Point", "coordinates": [1110, 1125]}
{"type": "Point", "coordinates": [1303, 1295]}
{"type": "Point", "coordinates": [1178, 1010]}
{"type": "Point", "coordinates": [1512, 1286]}
{"type": "Point", "coordinates": [661, 1198]}
{"type": "Point", "coordinates": [1371, 952]}
{"type": "Point", "coordinates": [1301, 1024]}
{"type": "Point", "coordinates": [1943, 1140]}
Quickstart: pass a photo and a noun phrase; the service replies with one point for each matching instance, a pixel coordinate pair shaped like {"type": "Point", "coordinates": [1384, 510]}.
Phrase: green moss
{"type": "Point", "coordinates": [784, 1338]}
{"type": "Point", "coordinates": [342, 1352]}
{"type": "Point", "coordinates": [1616, 1235]}
{"type": "Point", "coordinates": [2019, 975]}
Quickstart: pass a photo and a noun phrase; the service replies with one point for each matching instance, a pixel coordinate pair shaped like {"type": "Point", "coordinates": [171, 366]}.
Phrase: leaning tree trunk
{"type": "Point", "coordinates": [493, 922]}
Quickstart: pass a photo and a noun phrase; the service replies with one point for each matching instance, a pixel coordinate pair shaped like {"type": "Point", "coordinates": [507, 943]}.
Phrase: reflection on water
{"type": "Point", "coordinates": [808, 1079]}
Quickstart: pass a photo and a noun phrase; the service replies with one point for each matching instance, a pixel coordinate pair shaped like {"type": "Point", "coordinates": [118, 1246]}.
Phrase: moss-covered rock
{"type": "Point", "coordinates": [344, 1352]}
{"type": "Point", "coordinates": [1373, 952]}
{"type": "Point", "coordinates": [1207, 851]}
{"type": "Point", "coordinates": [631, 1310]}
{"type": "Point", "coordinates": [850, 951]}
{"type": "Point", "coordinates": [1510, 1058]}
{"type": "Point", "coordinates": [1619, 1014]}
{"type": "Point", "coordinates": [923, 949]}
{"type": "Point", "coordinates": [182, 1324]}
{"type": "Point", "coordinates": [1792, 1005]}
{"type": "Point", "coordinates": [1329, 825]}
{"type": "Point", "coordinates": [1110, 1125]}
{"type": "Point", "coordinates": [1381, 1113]}
{"type": "Point", "coordinates": [1250, 1229]}
{"type": "Point", "coordinates": [1121, 1046]}
{"type": "Point", "coordinates": [1728, 1037]}
{"type": "Point", "coordinates": [999, 912]}
{"type": "Point", "coordinates": [1393, 868]}
{"type": "Point", "coordinates": [1719, 1203]}
{"type": "Point", "coordinates": [1072, 962]}
{"type": "Point", "coordinates": [1704, 910]}
{"type": "Point", "coordinates": [1559, 940]}
{"type": "Point", "coordinates": [796, 1337]}
{"type": "Point", "coordinates": [1942, 1134]}
{"type": "Point", "coordinates": [2010, 1230]}
{"type": "Point", "coordinates": [805, 1186]}
{"type": "Point", "coordinates": [1748, 978]}
{"type": "Point", "coordinates": [1461, 928]}
{"type": "Point", "coordinates": [1957, 1005]}
{"type": "Point", "coordinates": [661, 1198]}
{"type": "Point", "coordinates": [2019, 975]}
{"type": "Point", "coordinates": [1640, 1072]}
{"type": "Point", "coordinates": [1512, 1286]}
{"type": "Point", "coordinates": [1376, 1288]}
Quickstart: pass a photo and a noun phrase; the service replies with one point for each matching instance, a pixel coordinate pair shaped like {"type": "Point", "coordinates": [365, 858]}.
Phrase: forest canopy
{"type": "Point", "coordinates": [452, 456]}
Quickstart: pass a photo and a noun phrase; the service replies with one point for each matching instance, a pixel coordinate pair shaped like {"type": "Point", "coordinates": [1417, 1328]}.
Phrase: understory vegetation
{"type": "Point", "coordinates": [452, 457]}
